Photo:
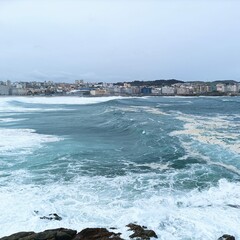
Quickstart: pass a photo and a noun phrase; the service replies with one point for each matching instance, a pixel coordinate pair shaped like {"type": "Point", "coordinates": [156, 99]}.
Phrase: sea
{"type": "Point", "coordinates": [169, 163]}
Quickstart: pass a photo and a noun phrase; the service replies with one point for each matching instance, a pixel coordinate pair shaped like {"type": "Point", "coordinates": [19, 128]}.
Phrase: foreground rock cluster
{"type": "Point", "coordinates": [139, 233]}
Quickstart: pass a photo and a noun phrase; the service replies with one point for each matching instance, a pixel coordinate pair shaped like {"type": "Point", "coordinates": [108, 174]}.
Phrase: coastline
{"type": "Point", "coordinates": [123, 96]}
{"type": "Point", "coordinates": [137, 233]}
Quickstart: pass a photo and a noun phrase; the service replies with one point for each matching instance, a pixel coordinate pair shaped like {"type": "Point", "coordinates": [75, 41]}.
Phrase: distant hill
{"type": "Point", "coordinates": [157, 83]}
{"type": "Point", "coordinates": [225, 81]}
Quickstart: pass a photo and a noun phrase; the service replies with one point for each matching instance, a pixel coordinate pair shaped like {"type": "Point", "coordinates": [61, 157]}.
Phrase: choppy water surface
{"type": "Point", "coordinates": [170, 163]}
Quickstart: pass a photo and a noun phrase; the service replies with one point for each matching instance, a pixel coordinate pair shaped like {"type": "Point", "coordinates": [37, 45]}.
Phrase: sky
{"type": "Point", "coordinates": [119, 40]}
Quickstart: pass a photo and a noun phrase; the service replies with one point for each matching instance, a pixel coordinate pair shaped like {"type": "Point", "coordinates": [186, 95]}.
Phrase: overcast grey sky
{"type": "Point", "coordinates": [110, 40]}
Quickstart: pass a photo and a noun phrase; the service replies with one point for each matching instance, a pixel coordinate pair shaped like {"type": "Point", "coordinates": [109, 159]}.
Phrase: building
{"type": "Point", "coordinates": [156, 91]}
{"type": "Point", "coordinates": [167, 90]}
{"type": "Point", "coordinates": [98, 92]}
{"type": "Point", "coordinates": [184, 90]}
{"type": "Point", "coordinates": [4, 90]}
{"type": "Point", "coordinates": [232, 88]}
{"type": "Point", "coordinates": [18, 91]}
{"type": "Point", "coordinates": [221, 87]}
{"type": "Point", "coordinates": [146, 91]}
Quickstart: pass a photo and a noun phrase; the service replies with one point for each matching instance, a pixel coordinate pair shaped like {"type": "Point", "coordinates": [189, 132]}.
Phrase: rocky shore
{"type": "Point", "coordinates": [139, 233]}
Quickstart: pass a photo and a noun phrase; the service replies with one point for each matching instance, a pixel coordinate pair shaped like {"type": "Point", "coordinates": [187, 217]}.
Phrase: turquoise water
{"type": "Point", "coordinates": [170, 163]}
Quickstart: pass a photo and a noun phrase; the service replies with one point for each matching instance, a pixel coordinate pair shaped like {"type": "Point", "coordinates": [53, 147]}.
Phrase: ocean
{"type": "Point", "coordinates": [169, 163]}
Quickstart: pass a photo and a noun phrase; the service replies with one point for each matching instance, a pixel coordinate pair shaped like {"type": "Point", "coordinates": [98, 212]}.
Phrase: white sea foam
{"type": "Point", "coordinates": [8, 104]}
{"type": "Point", "coordinates": [124, 109]}
{"type": "Point", "coordinates": [230, 99]}
{"type": "Point", "coordinates": [229, 167]}
{"type": "Point", "coordinates": [154, 165]}
{"type": "Point", "coordinates": [62, 100]}
{"type": "Point", "coordinates": [211, 130]}
{"type": "Point", "coordinates": [165, 104]}
{"type": "Point", "coordinates": [104, 202]}
{"type": "Point", "coordinates": [9, 120]}
{"type": "Point", "coordinates": [15, 141]}
{"type": "Point", "coordinates": [153, 110]}
{"type": "Point", "coordinates": [8, 108]}
{"type": "Point", "coordinates": [194, 153]}
{"type": "Point", "coordinates": [147, 109]}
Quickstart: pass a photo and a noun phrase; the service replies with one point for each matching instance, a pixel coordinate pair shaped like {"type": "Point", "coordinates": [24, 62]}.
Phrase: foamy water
{"type": "Point", "coordinates": [174, 215]}
{"type": "Point", "coordinates": [60, 100]}
{"type": "Point", "coordinates": [212, 130]}
{"type": "Point", "coordinates": [16, 141]}
{"type": "Point", "coordinates": [171, 164]}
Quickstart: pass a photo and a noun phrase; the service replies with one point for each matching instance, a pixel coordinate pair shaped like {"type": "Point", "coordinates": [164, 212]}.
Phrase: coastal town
{"type": "Point", "coordinates": [170, 87]}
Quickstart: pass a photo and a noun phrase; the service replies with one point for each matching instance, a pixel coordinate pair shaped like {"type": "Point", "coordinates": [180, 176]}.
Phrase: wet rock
{"type": "Point", "coordinates": [233, 205]}
{"type": "Point", "coordinates": [226, 237]}
{"type": "Point", "coordinates": [56, 234]}
{"type": "Point", "coordinates": [17, 236]}
{"type": "Point", "coordinates": [52, 216]}
{"type": "Point", "coordinates": [97, 234]}
{"type": "Point", "coordinates": [141, 232]}
{"type": "Point", "coordinates": [52, 234]}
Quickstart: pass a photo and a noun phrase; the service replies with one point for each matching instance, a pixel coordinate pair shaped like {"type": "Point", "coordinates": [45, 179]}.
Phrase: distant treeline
{"type": "Point", "coordinates": [169, 82]}
{"type": "Point", "coordinates": [156, 83]}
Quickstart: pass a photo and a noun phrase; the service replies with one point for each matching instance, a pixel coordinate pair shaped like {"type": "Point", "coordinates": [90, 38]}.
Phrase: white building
{"type": "Point", "coordinates": [166, 90]}
{"type": "Point", "coordinates": [228, 88]}
{"type": "Point", "coordinates": [233, 88]}
{"type": "Point", "coordinates": [98, 92]}
{"type": "Point", "coordinates": [18, 91]}
{"type": "Point", "coordinates": [4, 90]}
{"type": "Point", "coordinates": [221, 87]}
{"type": "Point", "coordinates": [183, 90]}
{"type": "Point", "coordinates": [156, 91]}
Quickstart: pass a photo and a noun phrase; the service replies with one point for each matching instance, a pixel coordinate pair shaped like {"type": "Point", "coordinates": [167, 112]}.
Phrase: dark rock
{"type": "Point", "coordinates": [52, 216]}
{"type": "Point", "coordinates": [97, 234]}
{"type": "Point", "coordinates": [18, 236]}
{"type": "Point", "coordinates": [141, 232]}
{"type": "Point", "coordinates": [56, 234]}
{"type": "Point", "coordinates": [226, 237]}
{"type": "Point", "coordinates": [233, 205]}
{"type": "Point", "coordinates": [134, 227]}
{"type": "Point", "coordinates": [52, 234]}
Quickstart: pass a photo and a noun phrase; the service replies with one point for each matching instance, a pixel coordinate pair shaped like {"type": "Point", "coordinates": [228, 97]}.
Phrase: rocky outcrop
{"type": "Point", "coordinates": [66, 234]}
{"type": "Point", "coordinates": [17, 236]}
{"type": "Point", "coordinates": [52, 234]}
{"type": "Point", "coordinates": [141, 232]}
{"type": "Point", "coordinates": [52, 216]}
{"type": "Point", "coordinates": [97, 234]}
{"type": "Point", "coordinates": [226, 237]}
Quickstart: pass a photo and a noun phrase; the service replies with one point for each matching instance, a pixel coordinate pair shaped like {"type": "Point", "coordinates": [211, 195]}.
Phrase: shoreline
{"type": "Point", "coordinates": [123, 96]}
{"type": "Point", "coordinates": [137, 233]}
